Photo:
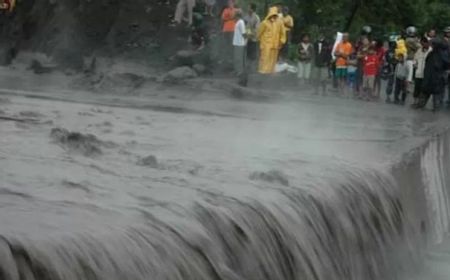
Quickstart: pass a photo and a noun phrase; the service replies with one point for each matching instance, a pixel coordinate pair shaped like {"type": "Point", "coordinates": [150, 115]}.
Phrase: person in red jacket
{"type": "Point", "coordinates": [370, 69]}
{"type": "Point", "coordinates": [7, 5]}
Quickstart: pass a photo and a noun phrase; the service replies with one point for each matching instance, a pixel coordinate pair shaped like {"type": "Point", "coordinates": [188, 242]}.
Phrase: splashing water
{"type": "Point", "coordinates": [358, 224]}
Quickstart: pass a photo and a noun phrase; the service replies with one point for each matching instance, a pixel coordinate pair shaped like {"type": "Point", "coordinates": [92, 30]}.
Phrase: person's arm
{"type": "Point", "coordinates": [261, 30]}
{"type": "Point", "coordinates": [242, 29]}
{"type": "Point", "coordinates": [283, 38]}
{"type": "Point", "coordinates": [289, 22]}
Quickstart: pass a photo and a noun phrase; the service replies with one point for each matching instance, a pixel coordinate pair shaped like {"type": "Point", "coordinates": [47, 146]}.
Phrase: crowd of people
{"type": "Point", "coordinates": [409, 63]}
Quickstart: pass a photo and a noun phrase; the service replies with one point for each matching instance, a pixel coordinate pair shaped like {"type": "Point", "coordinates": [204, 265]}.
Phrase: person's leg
{"type": "Point", "coordinates": [372, 88]}
{"type": "Point", "coordinates": [243, 77]}
{"type": "Point", "coordinates": [340, 79]}
{"type": "Point", "coordinates": [190, 9]}
{"type": "Point", "coordinates": [324, 79]}
{"type": "Point", "coordinates": [390, 87]}
{"type": "Point", "coordinates": [237, 60]}
{"type": "Point", "coordinates": [437, 98]}
{"type": "Point", "coordinates": [405, 93]}
{"type": "Point", "coordinates": [301, 71]}
{"type": "Point", "coordinates": [398, 90]}
{"type": "Point", "coordinates": [417, 90]}
{"type": "Point", "coordinates": [448, 89]}
{"type": "Point", "coordinates": [179, 11]}
{"type": "Point", "coordinates": [308, 72]}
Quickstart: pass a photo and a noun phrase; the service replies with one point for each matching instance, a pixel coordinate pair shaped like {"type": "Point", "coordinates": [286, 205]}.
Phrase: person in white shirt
{"type": "Point", "coordinates": [419, 64]}
{"type": "Point", "coordinates": [403, 79]}
{"type": "Point", "coordinates": [239, 45]}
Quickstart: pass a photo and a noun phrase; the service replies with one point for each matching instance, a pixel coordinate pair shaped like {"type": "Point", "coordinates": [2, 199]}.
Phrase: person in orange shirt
{"type": "Point", "coordinates": [343, 50]}
{"type": "Point", "coordinates": [229, 23]}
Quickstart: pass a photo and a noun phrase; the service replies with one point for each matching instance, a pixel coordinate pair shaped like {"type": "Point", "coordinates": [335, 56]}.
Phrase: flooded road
{"type": "Point", "coordinates": [218, 189]}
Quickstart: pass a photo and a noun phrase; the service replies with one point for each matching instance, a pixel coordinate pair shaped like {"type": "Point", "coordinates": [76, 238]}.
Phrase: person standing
{"type": "Point", "coordinates": [370, 70]}
{"type": "Point", "coordinates": [436, 64]}
{"type": "Point", "coordinates": [272, 36]}
{"type": "Point", "coordinates": [362, 50]}
{"type": "Point", "coordinates": [252, 23]}
{"type": "Point", "coordinates": [322, 60]}
{"type": "Point", "coordinates": [288, 22]}
{"type": "Point", "coordinates": [419, 65]}
{"type": "Point", "coordinates": [229, 23]}
{"type": "Point", "coordinates": [431, 34]}
{"type": "Point", "coordinates": [381, 54]}
{"type": "Point", "coordinates": [390, 63]}
{"type": "Point", "coordinates": [184, 6]}
{"type": "Point", "coordinates": [343, 51]}
{"type": "Point", "coordinates": [239, 45]}
{"type": "Point", "coordinates": [403, 77]}
{"type": "Point", "coordinates": [447, 41]}
{"type": "Point", "coordinates": [305, 57]}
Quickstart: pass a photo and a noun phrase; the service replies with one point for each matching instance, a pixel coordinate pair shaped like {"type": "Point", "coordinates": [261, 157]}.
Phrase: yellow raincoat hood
{"type": "Point", "coordinates": [272, 12]}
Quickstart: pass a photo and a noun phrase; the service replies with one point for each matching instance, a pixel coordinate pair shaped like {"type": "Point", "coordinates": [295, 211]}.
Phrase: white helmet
{"type": "Point", "coordinates": [367, 29]}
{"type": "Point", "coordinates": [411, 31]}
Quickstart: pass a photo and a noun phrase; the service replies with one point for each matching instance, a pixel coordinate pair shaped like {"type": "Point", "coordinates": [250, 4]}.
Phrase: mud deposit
{"type": "Point", "coordinates": [313, 189]}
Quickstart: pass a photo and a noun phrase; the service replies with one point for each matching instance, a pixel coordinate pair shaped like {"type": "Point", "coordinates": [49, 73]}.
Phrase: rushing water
{"type": "Point", "coordinates": [357, 223]}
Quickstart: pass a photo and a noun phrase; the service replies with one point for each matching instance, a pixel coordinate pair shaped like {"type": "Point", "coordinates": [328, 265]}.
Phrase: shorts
{"type": "Point", "coordinates": [369, 82]}
{"type": "Point", "coordinates": [341, 73]}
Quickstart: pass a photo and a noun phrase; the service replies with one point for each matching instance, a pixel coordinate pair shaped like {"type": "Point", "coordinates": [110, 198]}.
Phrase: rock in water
{"type": "Point", "coordinates": [85, 144]}
{"type": "Point", "coordinates": [149, 161]}
{"type": "Point", "coordinates": [273, 176]}
{"type": "Point", "coordinates": [178, 74]}
{"type": "Point", "coordinates": [199, 68]}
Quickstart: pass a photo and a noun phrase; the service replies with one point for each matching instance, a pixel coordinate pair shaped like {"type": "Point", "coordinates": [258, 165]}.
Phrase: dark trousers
{"type": "Point", "coordinates": [438, 96]}
{"type": "Point", "coordinates": [418, 85]}
{"type": "Point", "coordinates": [240, 67]}
{"type": "Point", "coordinates": [448, 89]}
{"type": "Point", "coordinates": [390, 85]}
{"type": "Point", "coordinates": [228, 48]}
{"type": "Point", "coordinates": [400, 89]}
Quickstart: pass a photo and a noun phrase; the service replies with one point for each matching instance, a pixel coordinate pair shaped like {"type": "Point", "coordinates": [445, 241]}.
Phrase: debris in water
{"type": "Point", "coordinates": [86, 144]}
{"type": "Point", "coordinates": [273, 176]}
{"type": "Point", "coordinates": [149, 161]}
{"type": "Point", "coordinates": [31, 114]}
{"type": "Point", "coordinates": [73, 185]}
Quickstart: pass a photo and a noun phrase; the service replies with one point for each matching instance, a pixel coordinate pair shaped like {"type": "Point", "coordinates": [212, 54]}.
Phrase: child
{"type": "Point", "coordinates": [403, 74]}
{"type": "Point", "coordinates": [370, 70]}
{"type": "Point", "coordinates": [305, 57]}
{"type": "Point", "coordinates": [351, 71]}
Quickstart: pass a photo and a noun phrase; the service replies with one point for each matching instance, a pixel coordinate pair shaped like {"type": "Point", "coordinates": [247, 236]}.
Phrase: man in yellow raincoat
{"type": "Point", "coordinates": [271, 36]}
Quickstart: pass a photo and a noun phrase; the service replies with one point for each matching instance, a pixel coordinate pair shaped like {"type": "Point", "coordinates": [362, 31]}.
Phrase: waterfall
{"type": "Point", "coordinates": [366, 223]}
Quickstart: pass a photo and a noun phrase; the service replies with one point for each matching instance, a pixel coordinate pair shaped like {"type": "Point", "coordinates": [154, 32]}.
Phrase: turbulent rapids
{"type": "Point", "coordinates": [342, 220]}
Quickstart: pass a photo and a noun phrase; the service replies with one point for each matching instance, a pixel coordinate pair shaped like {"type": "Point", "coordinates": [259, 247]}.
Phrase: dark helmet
{"type": "Point", "coordinates": [411, 31]}
{"type": "Point", "coordinates": [366, 30]}
{"type": "Point", "coordinates": [393, 37]}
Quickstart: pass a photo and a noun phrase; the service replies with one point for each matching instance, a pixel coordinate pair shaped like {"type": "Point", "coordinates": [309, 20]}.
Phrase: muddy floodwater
{"type": "Point", "coordinates": [311, 188]}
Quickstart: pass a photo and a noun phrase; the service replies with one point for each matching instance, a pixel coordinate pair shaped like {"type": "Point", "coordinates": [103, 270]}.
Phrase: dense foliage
{"type": "Point", "coordinates": [383, 15]}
